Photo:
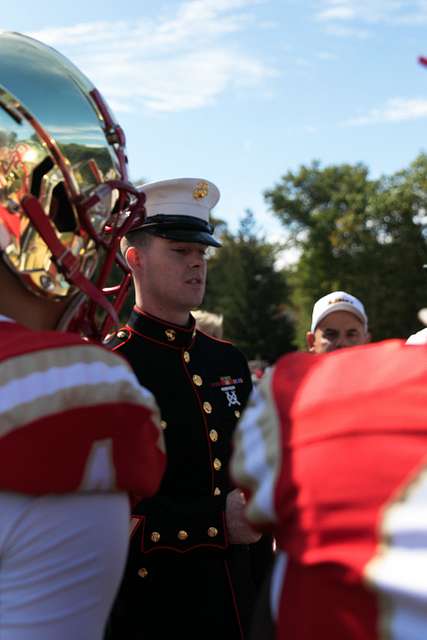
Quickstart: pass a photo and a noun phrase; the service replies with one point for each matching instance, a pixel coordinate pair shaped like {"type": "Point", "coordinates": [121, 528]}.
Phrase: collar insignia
{"type": "Point", "coordinates": [170, 334]}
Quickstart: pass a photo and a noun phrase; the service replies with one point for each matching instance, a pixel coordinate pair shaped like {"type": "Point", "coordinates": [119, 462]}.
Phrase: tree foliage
{"type": "Point", "coordinates": [365, 236]}
{"type": "Point", "coordinates": [245, 287]}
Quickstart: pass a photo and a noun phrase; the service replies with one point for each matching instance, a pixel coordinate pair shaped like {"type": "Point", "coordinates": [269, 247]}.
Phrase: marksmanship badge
{"type": "Point", "coordinates": [227, 384]}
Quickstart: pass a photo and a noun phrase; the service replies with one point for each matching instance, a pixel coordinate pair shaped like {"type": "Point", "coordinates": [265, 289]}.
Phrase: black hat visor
{"type": "Point", "coordinates": [181, 229]}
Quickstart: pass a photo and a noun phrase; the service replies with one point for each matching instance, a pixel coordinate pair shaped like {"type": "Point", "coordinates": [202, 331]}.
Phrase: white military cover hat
{"type": "Point", "coordinates": [338, 301]}
{"type": "Point", "coordinates": [179, 209]}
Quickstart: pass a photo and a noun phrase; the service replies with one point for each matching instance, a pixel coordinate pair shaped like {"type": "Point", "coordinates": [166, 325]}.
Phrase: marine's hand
{"type": "Point", "coordinates": [239, 531]}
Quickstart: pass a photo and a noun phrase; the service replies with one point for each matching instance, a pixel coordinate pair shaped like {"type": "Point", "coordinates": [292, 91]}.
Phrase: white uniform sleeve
{"type": "Point", "coordinates": [418, 338]}
{"type": "Point", "coordinates": [257, 456]}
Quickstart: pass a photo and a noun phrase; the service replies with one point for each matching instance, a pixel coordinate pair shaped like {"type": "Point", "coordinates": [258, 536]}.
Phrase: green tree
{"type": "Point", "coordinates": [365, 236]}
{"type": "Point", "coordinates": [244, 286]}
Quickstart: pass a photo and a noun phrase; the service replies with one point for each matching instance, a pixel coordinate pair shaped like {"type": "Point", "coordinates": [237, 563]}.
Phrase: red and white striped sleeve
{"type": "Point", "coordinates": [73, 417]}
{"type": "Point", "coordinates": [257, 458]}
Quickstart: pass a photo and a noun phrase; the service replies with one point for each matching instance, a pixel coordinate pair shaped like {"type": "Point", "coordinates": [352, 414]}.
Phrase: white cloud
{"type": "Point", "coordinates": [339, 11]}
{"type": "Point", "coordinates": [411, 12]}
{"type": "Point", "coordinates": [173, 63]}
{"type": "Point", "coordinates": [348, 32]}
{"type": "Point", "coordinates": [395, 110]}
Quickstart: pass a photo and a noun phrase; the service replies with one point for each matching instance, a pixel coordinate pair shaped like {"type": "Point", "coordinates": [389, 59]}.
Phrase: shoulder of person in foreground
{"type": "Point", "coordinates": [299, 384]}
{"type": "Point", "coordinates": [74, 418]}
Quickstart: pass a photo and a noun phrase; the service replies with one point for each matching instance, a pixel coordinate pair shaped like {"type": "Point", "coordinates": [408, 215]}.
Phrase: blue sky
{"type": "Point", "coordinates": [241, 91]}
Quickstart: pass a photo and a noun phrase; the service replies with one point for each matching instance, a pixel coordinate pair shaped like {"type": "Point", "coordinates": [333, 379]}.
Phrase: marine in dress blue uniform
{"type": "Point", "coordinates": [184, 578]}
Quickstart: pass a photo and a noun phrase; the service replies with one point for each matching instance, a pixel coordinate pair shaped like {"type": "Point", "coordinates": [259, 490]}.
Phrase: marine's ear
{"type": "Point", "coordinates": [133, 258]}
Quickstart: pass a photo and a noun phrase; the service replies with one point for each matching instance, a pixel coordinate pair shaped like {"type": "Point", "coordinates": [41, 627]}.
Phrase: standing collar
{"type": "Point", "coordinates": [167, 333]}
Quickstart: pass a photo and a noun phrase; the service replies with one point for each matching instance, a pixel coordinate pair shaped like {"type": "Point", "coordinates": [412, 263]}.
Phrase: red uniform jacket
{"type": "Point", "coordinates": [332, 453]}
{"type": "Point", "coordinates": [73, 418]}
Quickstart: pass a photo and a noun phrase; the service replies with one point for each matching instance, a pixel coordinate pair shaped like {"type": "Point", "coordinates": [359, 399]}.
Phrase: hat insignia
{"type": "Point", "coordinates": [200, 191]}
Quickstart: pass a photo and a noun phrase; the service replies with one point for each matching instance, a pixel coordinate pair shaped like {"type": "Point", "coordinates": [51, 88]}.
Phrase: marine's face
{"type": "Point", "coordinates": [173, 275]}
{"type": "Point", "coordinates": [338, 330]}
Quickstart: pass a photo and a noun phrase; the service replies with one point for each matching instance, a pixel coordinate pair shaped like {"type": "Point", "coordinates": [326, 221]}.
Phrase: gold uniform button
{"type": "Point", "coordinates": [237, 413]}
{"type": "Point", "coordinates": [217, 491]}
{"type": "Point", "coordinates": [207, 407]}
{"type": "Point", "coordinates": [217, 464]}
{"type": "Point", "coordinates": [213, 435]}
{"type": "Point", "coordinates": [155, 536]}
{"type": "Point", "coordinates": [197, 380]}
{"type": "Point", "coordinates": [186, 357]}
{"type": "Point", "coordinates": [143, 573]}
{"type": "Point", "coordinates": [212, 532]}
{"type": "Point", "coordinates": [182, 535]}
{"type": "Point", "coordinates": [170, 334]}
{"type": "Point", "coordinates": [163, 424]}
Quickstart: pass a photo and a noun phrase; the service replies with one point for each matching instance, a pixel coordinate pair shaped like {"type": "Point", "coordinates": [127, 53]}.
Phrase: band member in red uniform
{"type": "Point", "coordinates": [77, 432]}
{"type": "Point", "coordinates": [331, 453]}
